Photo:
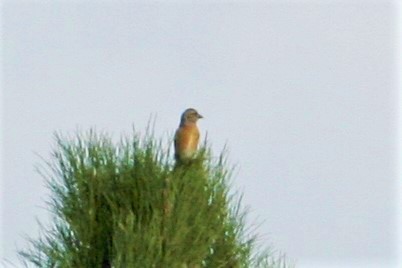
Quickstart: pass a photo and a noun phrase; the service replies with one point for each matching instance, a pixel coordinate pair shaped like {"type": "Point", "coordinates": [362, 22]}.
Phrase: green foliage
{"type": "Point", "coordinates": [128, 205]}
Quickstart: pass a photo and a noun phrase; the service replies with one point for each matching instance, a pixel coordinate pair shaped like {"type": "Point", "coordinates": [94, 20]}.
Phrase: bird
{"type": "Point", "coordinates": [187, 136]}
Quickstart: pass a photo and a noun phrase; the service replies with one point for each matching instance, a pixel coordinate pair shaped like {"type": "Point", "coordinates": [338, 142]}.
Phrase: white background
{"type": "Point", "coordinates": [304, 94]}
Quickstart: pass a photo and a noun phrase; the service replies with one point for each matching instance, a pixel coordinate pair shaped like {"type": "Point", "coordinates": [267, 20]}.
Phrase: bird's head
{"type": "Point", "coordinates": [190, 115]}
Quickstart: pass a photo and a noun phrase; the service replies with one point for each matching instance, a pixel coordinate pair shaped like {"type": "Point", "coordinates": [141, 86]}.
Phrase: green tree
{"type": "Point", "coordinates": [128, 205]}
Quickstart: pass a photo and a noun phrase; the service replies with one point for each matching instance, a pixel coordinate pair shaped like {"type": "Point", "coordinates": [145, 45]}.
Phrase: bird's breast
{"type": "Point", "coordinates": [187, 138]}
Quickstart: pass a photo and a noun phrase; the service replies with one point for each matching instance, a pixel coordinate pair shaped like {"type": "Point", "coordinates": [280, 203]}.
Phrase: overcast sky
{"type": "Point", "coordinates": [303, 93]}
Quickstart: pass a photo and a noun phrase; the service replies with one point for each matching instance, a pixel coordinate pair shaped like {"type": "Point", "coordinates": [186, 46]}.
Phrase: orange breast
{"type": "Point", "coordinates": [186, 140]}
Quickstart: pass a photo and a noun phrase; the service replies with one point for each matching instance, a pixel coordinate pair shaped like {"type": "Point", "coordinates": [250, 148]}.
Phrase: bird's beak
{"type": "Point", "coordinates": [200, 116]}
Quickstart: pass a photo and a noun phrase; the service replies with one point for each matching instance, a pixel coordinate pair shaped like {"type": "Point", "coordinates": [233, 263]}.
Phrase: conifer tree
{"type": "Point", "coordinates": [128, 205]}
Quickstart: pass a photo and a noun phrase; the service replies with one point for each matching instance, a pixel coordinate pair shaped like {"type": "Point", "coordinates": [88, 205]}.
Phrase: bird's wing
{"type": "Point", "coordinates": [176, 145]}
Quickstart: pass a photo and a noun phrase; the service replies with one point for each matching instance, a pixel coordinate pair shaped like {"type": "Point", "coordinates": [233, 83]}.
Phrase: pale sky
{"type": "Point", "coordinates": [303, 93]}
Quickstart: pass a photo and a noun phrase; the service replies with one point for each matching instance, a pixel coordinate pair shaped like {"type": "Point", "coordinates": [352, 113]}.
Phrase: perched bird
{"type": "Point", "coordinates": [187, 136]}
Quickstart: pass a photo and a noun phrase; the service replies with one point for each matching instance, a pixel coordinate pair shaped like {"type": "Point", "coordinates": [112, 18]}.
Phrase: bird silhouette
{"type": "Point", "coordinates": [187, 136]}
